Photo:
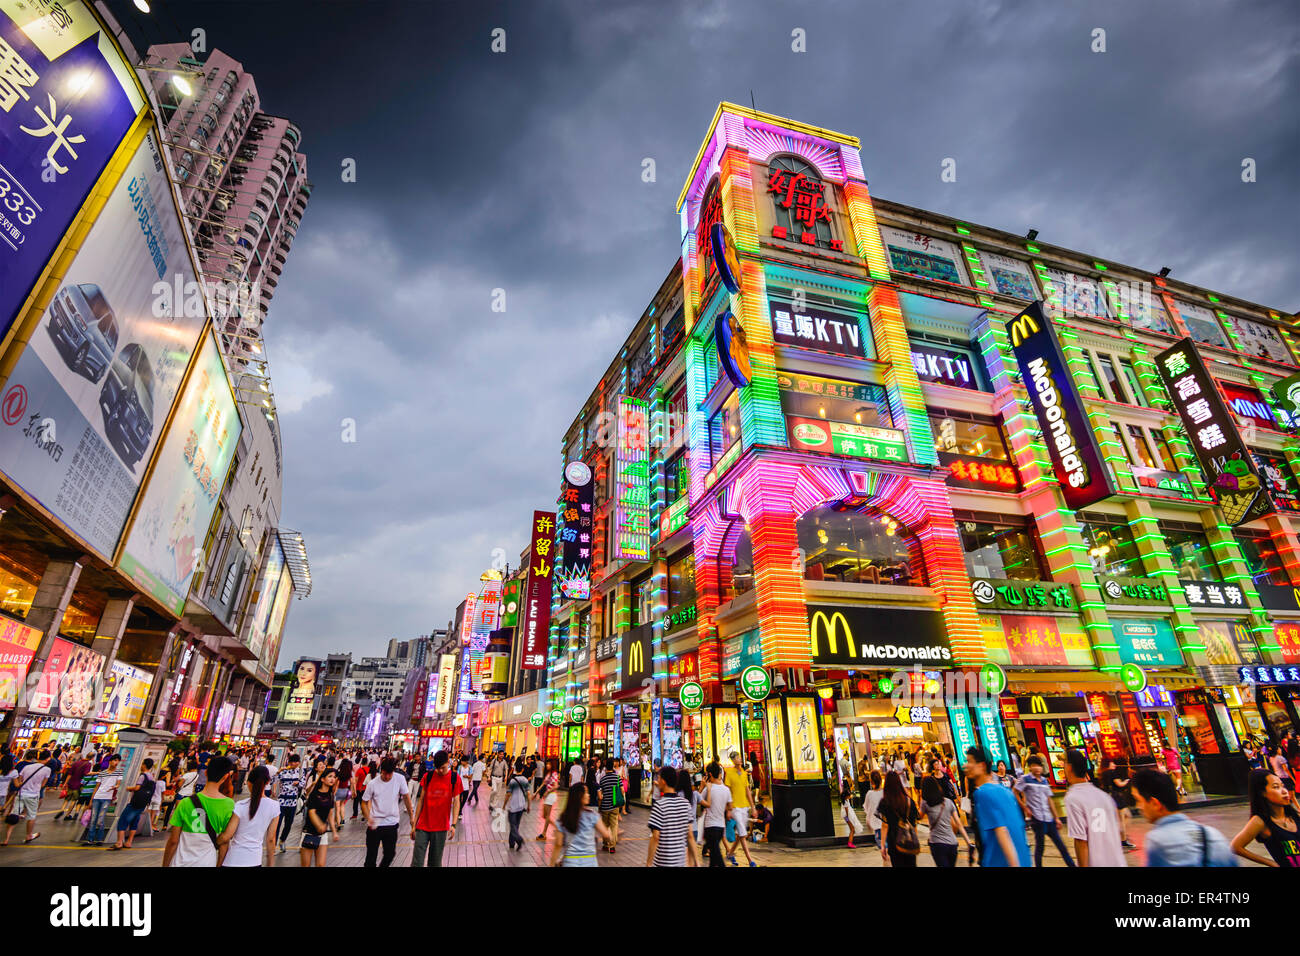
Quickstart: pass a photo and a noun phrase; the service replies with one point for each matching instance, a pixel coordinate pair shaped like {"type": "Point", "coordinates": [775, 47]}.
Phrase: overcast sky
{"type": "Point", "coordinates": [522, 171]}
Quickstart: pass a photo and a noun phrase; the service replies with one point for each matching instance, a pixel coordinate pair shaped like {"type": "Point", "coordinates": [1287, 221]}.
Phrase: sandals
{"type": "Point", "coordinates": [32, 837]}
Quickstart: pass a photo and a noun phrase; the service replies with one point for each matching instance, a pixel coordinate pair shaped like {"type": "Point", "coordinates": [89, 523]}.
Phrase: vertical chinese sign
{"type": "Point", "coordinates": [484, 623]}
{"type": "Point", "coordinates": [466, 692]}
{"type": "Point", "coordinates": [536, 614]}
{"type": "Point", "coordinates": [632, 480]}
{"type": "Point", "coordinates": [1227, 463]}
{"type": "Point", "coordinates": [577, 499]}
{"type": "Point", "coordinates": [805, 742]}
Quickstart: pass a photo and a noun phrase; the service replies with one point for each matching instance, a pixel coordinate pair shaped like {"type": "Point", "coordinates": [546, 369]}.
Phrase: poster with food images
{"type": "Point", "coordinates": [68, 684]}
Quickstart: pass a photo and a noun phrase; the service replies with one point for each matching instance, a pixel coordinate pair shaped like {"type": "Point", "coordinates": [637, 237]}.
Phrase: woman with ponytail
{"type": "Point", "coordinates": [259, 816]}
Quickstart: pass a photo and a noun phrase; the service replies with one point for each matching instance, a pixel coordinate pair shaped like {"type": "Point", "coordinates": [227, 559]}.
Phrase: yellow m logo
{"type": "Point", "coordinates": [635, 658]}
{"type": "Point", "coordinates": [1020, 328]}
{"type": "Point", "coordinates": [1037, 705]}
{"type": "Point", "coordinates": [830, 627]}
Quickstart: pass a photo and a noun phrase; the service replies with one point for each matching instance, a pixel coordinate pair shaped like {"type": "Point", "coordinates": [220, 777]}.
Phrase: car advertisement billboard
{"type": "Point", "coordinates": [66, 100]}
{"type": "Point", "coordinates": [125, 693]}
{"type": "Point", "coordinates": [85, 404]}
{"type": "Point", "coordinates": [166, 537]}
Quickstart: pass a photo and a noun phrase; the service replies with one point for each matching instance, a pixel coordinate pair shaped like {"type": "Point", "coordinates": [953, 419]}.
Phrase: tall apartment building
{"type": "Point", "coordinates": [242, 178]}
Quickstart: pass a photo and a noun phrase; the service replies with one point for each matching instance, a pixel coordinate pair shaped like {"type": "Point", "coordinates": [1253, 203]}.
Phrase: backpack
{"type": "Point", "coordinates": [907, 841]}
{"type": "Point", "coordinates": [140, 799]}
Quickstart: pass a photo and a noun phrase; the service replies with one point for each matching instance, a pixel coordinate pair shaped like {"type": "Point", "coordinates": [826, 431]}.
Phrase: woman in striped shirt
{"type": "Point", "coordinates": [671, 821]}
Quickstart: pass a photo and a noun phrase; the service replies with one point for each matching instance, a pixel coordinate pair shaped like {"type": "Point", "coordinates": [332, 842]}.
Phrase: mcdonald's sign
{"type": "Point", "coordinates": [1067, 433]}
{"type": "Point", "coordinates": [635, 657]}
{"type": "Point", "coordinates": [850, 636]}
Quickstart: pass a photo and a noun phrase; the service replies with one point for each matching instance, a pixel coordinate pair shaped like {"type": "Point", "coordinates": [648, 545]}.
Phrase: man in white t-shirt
{"type": "Point", "coordinates": [716, 813]}
{"type": "Point", "coordinates": [381, 805]}
{"type": "Point", "coordinates": [1091, 819]}
{"type": "Point", "coordinates": [476, 777]}
{"type": "Point", "coordinates": [32, 774]}
{"type": "Point", "coordinates": [576, 773]}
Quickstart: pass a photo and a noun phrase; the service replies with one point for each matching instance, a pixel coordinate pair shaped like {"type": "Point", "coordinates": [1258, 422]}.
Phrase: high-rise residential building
{"type": "Point", "coordinates": [243, 181]}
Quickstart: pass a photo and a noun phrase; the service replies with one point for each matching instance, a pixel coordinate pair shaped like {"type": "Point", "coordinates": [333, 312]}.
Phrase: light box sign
{"type": "Point", "coordinates": [1279, 481]}
{"type": "Point", "coordinates": [18, 644]}
{"type": "Point", "coordinates": [632, 480]}
{"type": "Point", "coordinates": [845, 438]}
{"type": "Point", "coordinates": [575, 524]}
{"type": "Point", "coordinates": [921, 255]}
{"type": "Point", "coordinates": [944, 366]}
{"type": "Point", "coordinates": [967, 471]}
{"type": "Point", "coordinates": [66, 100]}
{"type": "Point", "coordinates": [1225, 460]}
{"type": "Point", "coordinates": [446, 682]}
{"type": "Point", "coordinates": [86, 402]}
{"type": "Point", "coordinates": [1023, 640]}
{"type": "Point", "coordinates": [1247, 402]}
{"type": "Point", "coordinates": [1147, 642]}
{"type": "Point", "coordinates": [167, 534]}
{"type": "Point", "coordinates": [67, 684]}
{"type": "Point", "coordinates": [823, 331]}
{"type": "Point", "coordinates": [1262, 341]}
{"type": "Point", "coordinates": [125, 693]}
{"type": "Point", "coordinates": [535, 616]}
{"type": "Point", "coordinates": [302, 695]}
{"type": "Point", "coordinates": [1067, 433]}
{"type": "Point", "coordinates": [849, 636]}
{"type": "Point", "coordinates": [486, 606]}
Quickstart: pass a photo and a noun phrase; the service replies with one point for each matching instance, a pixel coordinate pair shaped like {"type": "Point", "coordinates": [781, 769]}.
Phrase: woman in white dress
{"type": "Point", "coordinates": [254, 841]}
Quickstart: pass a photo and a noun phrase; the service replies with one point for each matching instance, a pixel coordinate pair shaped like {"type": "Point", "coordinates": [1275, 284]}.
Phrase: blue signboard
{"type": "Point", "coordinates": [741, 651]}
{"type": "Point", "coordinates": [66, 101]}
{"type": "Point", "coordinates": [989, 721]}
{"type": "Point", "coordinates": [1147, 642]}
{"type": "Point", "coordinates": [963, 732]}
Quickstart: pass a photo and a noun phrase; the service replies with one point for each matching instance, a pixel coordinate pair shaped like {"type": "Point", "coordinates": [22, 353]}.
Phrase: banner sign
{"type": "Point", "coordinates": [856, 636]}
{"type": "Point", "coordinates": [446, 681]}
{"type": "Point", "coordinates": [1025, 640]}
{"type": "Point", "coordinates": [632, 480]}
{"type": "Point", "coordinates": [943, 366]}
{"type": "Point", "coordinates": [1001, 594]}
{"type": "Point", "coordinates": [1225, 460]}
{"type": "Point", "coordinates": [1067, 433]}
{"type": "Point", "coordinates": [814, 329]}
{"type": "Point", "coordinates": [536, 616]}
{"type": "Point", "coordinates": [1212, 594]}
{"type": "Point", "coordinates": [575, 524]}
{"type": "Point", "coordinates": [843, 438]}
{"type": "Point", "coordinates": [66, 100]}
{"type": "Point", "coordinates": [302, 695]}
{"type": "Point", "coordinates": [1248, 402]}
{"type": "Point", "coordinates": [166, 537]}
{"type": "Point", "coordinates": [511, 599]}
{"type": "Point", "coordinates": [18, 644]}
{"type": "Point", "coordinates": [86, 402]}
{"type": "Point", "coordinates": [483, 623]}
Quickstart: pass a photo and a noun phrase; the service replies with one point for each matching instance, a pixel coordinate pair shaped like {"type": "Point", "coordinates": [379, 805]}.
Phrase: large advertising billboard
{"type": "Point", "coordinates": [1067, 434]}
{"type": "Point", "coordinates": [166, 537]}
{"type": "Point", "coordinates": [66, 100]}
{"type": "Point", "coordinates": [535, 618]}
{"type": "Point", "coordinates": [266, 587]}
{"type": "Point", "coordinates": [125, 694]}
{"type": "Point", "coordinates": [446, 682]}
{"type": "Point", "coordinates": [85, 405]}
{"type": "Point", "coordinates": [302, 695]}
{"type": "Point", "coordinates": [18, 644]}
{"type": "Point", "coordinates": [67, 685]}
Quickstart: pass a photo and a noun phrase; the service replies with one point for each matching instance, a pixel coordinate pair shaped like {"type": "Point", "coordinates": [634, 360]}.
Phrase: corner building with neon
{"type": "Point", "coordinates": [881, 453]}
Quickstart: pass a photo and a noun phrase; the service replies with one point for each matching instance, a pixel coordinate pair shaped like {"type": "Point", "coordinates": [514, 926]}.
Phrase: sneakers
{"type": "Point", "coordinates": [851, 846]}
{"type": "Point", "coordinates": [1128, 846]}
{"type": "Point", "coordinates": [732, 861]}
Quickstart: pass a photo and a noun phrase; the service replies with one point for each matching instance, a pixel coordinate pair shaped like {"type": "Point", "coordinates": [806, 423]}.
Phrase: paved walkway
{"type": "Point", "coordinates": [479, 844]}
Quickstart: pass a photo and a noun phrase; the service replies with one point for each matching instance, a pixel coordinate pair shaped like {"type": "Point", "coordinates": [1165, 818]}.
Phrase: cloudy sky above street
{"type": "Point", "coordinates": [522, 171]}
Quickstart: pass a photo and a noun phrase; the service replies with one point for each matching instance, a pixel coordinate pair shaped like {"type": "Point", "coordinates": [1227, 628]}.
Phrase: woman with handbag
{"type": "Point", "coordinates": [898, 817]}
{"type": "Point", "coordinates": [318, 819]}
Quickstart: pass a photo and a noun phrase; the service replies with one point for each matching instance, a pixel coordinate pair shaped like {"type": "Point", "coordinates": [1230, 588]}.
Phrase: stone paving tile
{"type": "Point", "coordinates": [477, 843]}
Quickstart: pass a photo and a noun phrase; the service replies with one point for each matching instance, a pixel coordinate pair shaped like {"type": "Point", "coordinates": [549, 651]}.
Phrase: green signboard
{"type": "Point", "coordinates": [557, 717]}
{"type": "Point", "coordinates": [741, 651]}
{"type": "Point", "coordinates": [537, 720]}
{"type": "Point", "coordinates": [578, 714]}
{"type": "Point", "coordinates": [678, 617]}
{"type": "Point", "coordinates": [1133, 591]}
{"type": "Point", "coordinates": [1133, 677]}
{"type": "Point", "coordinates": [755, 682]}
{"type": "Point", "coordinates": [998, 594]}
{"type": "Point", "coordinates": [1147, 642]}
{"type": "Point", "coordinates": [994, 678]}
{"type": "Point", "coordinates": [691, 695]}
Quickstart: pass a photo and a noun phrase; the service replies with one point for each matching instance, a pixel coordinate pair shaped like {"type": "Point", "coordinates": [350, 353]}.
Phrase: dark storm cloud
{"type": "Point", "coordinates": [522, 171]}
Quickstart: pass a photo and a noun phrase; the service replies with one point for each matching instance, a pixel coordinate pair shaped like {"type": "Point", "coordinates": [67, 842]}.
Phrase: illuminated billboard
{"type": "Point", "coordinates": [632, 480]}
{"type": "Point", "coordinates": [302, 695]}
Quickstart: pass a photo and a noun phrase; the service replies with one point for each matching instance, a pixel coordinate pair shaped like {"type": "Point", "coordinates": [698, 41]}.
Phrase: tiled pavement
{"type": "Point", "coordinates": [478, 844]}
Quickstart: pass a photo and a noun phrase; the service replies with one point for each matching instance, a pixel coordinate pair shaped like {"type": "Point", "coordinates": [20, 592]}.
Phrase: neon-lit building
{"type": "Point", "coordinates": [816, 454]}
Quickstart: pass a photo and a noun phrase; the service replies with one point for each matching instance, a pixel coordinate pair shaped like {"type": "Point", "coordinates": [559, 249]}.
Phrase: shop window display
{"type": "Point", "coordinates": [864, 547]}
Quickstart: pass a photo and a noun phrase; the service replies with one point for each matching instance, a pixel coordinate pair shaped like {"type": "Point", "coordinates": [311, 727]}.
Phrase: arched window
{"type": "Point", "coordinates": [799, 201]}
{"type": "Point", "coordinates": [710, 213]}
{"type": "Point", "coordinates": [867, 546]}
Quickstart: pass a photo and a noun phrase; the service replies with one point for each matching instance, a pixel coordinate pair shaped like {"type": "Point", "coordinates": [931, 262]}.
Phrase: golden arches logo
{"type": "Point", "coordinates": [830, 626]}
{"type": "Point", "coordinates": [1021, 327]}
{"type": "Point", "coordinates": [635, 657]}
{"type": "Point", "coordinates": [1037, 705]}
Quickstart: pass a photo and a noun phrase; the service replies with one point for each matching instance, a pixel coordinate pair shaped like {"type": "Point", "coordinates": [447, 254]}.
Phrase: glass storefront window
{"type": "Point", "coordinates": [1261, 558]}
{"type": "Point", "coordinates": [849, 402]}
{"type": "Point", "coordinates": [1191, 554]}
{"type": "Point", "coordinates": [962, 436]}
{"type": "Point", "coordinates": [862, 547]}
{"type": "Point", "coordinates": [1139, 450]}
{"type": "Point", "coordinates": [998, 551]}
{"type": "Point", "coordinates": [1111, 548]}
{"type": "Point", "coordinates": [681, 579]}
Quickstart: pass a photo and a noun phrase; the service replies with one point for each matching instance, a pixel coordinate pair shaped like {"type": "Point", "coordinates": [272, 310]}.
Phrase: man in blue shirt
{"type": "Point", "coordinates": [1175, 839]}
{"type": "Point", "coordinates": [997, 815]}
{"type": "Point", "coordinates": [1035, 793]}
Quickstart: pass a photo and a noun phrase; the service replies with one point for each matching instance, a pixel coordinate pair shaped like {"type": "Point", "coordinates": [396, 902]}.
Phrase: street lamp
{"type": "Point", "coordinates": [182, 85]}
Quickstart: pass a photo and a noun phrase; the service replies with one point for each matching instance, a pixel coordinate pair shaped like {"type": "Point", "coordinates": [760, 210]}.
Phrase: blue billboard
{"type": "Point", "coordinates": [66, 101]}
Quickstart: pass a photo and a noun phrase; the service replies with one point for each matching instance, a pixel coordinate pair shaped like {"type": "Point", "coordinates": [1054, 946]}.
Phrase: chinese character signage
{"type": "Point", "coordinates": [632, 481]}
{"type": "Point", "coordinates": [535, 622]}
{"type": "Point", "coordinates": [988, 721]}
{"type": "Point", "coordinates": [816, 329]}
{"type": "Point", "coordinates": [998, 594]}
{"type": "Point", "coordinates": [66, 100]}
{"type": "Point", "coordinates": [446, 682]}
{"type": "Point", "coordinates": [963, 730]}
{"type": "Point", "coordinates": [575, 523]}
{"type": "Point", "coordinates": [805, 741]}
{"type": "Point", "coordinates": [1025, 640]}
{"type": "Point", "coordinates": [1067, 433]}
{"type": "Point", "coordinates": [166, 537]}
{"type": "Point", "coordinates": [843, 438]}
{"type": "Point", "coordinates": [85, 405]}
{"type": "Point", "coordinates": [924, 256]}
{"type": "Point", "coordinates": [484, 622]}
{"type": "Point", "coordinates": [1149, 642]}
{"type": "Point", "coordinates": [1287, 638]}
{"type": "Point", "coordinates": [1122, 590]}
{"type": "Point", "coordinates": [1290, 674]}
{"type": "Point", "coordinates": [1212, 594]}
{"type": "Point", "coordinates": [18, 644]}
{"type": "Point", "coordinates": [511, 599]}
{"type": "Point", "coordinates": [983, 474]}
{"type": "Point", "coordinates": [776, 741]}
{"type": "Point", "coordinates": [679, 616]}
{"type": "Point", "coordinates": [741, 651]}
{"type": "Point", "coordinates": [943, 366]}
{"type": "Point", "coordinates": [799, 198]}
{"type": "Point", "coordinates": [1225, 460]}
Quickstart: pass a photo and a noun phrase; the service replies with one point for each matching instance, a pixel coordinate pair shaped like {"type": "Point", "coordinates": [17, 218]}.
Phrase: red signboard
{"type": "Point", "coordinates": [535, 616]}
{"type": "Point", "coordinates": [1109, 737]}
{"type": "Point", "coordinates": [1288, 640]}
{"type": "Point", "coordinates": [684, 668]}
{"type": "Point", "coordinates": [18, 644]}
{"type": "Point", "coordinates": [1137, 732]}
{"type": "Point", "coordinates": [1010, 709]}
{"type": "Point", "coordinates": [1033, 640]}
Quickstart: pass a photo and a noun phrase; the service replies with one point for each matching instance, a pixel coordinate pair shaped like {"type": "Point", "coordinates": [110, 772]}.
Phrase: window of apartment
{"type": "Point", "coordinates": [724, 427]}
{"type": "Point", "coordinates": [972, 435]}
{"type": "Point", "coordinates": [1001, 550]}
{"type": "Point", "coordinates": [1131, 379]}
{"type": "Point", "coordinates": [1135, 441]}
{"type": "Point", "coordinates": [676, 477]}
{"type": "Point", "coordinates": [1189, 549]}
{"type": "Point", "coordinates": [642, 604]}
{"type": "Point", "coordinates": [1261, 557]}
{"type": "Point", "coordinates": [741, 569]}
{"type": "Point", "coordinates": [681, 578]}
{"type": "Point", "coordinates": [1164, 450]}
{"type": "Point", "coordinates": [1111, 388]}
{"type": "Point", "coordinates": [1111, 547]}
